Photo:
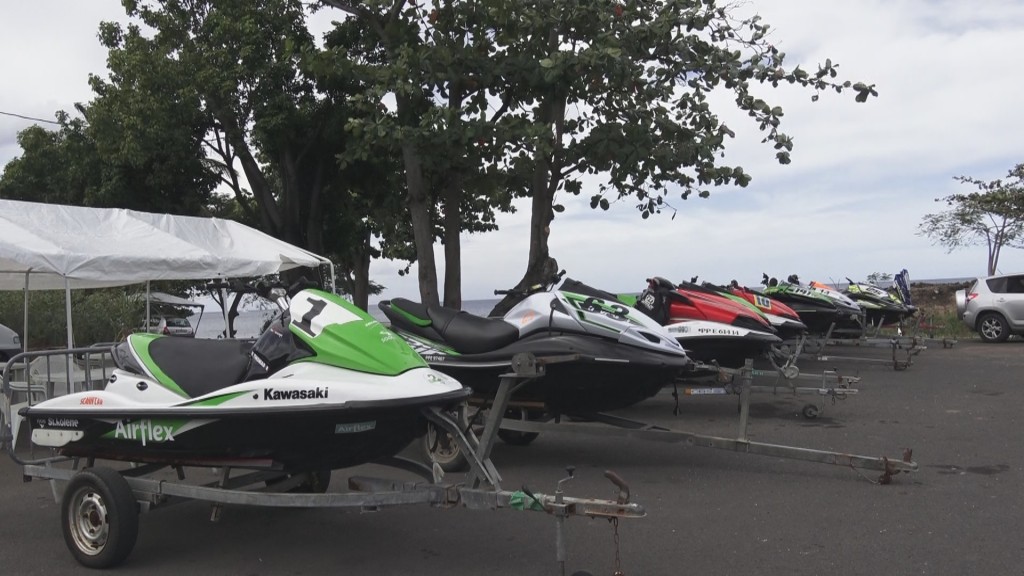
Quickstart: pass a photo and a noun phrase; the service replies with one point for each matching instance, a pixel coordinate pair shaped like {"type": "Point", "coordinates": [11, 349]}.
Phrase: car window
{"type": "Point", "coordinates": [178, 323]}
{"type": "Point", "coordinates": [997, 285]}
{"type": "Point", "coordinates": [1015, 285]}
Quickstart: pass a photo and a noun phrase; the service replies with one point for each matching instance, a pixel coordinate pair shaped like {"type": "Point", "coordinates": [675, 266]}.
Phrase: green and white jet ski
{"type": "Point", "coordinates": [325, 386]}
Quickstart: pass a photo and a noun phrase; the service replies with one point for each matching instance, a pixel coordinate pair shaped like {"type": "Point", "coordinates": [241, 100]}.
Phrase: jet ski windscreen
{"type": "Point", "coordinates": [125, 360]}
{"type": "Point", "coordinates": [902, 282]}
{"type": "Point", "coordinates": [577, 287]}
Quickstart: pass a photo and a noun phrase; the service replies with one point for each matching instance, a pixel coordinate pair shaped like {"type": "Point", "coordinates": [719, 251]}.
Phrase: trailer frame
{"type": "Point", "coordinates": [104, 502]}
{"type": "Point", "coordinates": [526, 367]}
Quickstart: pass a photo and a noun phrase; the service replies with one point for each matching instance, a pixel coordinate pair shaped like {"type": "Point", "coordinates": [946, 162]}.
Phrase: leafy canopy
{"type": "Point", "coordinates": [993, 216]}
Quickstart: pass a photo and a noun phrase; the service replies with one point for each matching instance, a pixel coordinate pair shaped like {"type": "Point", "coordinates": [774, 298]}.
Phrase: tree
{"type": "Point", "coordinates": [430, 61]}
{"type": "Point", "coordinates": [554, 90]}
{"type": "Point", "coordinates": [56, 166]}
{"type": "Point", "coordinates": [271, 130]}
{"type": "Point", "coordinates": [993, 215]}
{"type": "Point", "coordinates": [91, 161]}
{"type": "Point", "coordinates": [621, 89]}
{"type": "Point", "coordinates": [880, 278]}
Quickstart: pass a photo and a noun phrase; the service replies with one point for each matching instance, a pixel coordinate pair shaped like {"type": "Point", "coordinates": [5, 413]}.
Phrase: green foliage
{"type": "Point", "coordinates": [994, 215]}
{"type": "Point", "coordinates": [548, 92]}
{"type": "Point", "coordinates": [621, 89]}
{"type": "Point", "coordinates": [103, 315]}
{"type": "Point", "coordinates": [450, 108]}
{"type": "Point", "coordinates": [880, 277]}
{"type": "Point", "coordinates": [61, 166]}
{"type": "Point", "coordinates": [125, 151]}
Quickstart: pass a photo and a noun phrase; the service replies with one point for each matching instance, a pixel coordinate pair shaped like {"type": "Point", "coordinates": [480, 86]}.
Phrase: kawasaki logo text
{"type": "Point", "coordinates": [318, 394]}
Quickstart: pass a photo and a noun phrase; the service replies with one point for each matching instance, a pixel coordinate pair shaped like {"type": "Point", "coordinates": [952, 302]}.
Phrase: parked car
{"type": "Point", "coordinates": [170, 326]}
{"type": "Point", "coordinates": [994, 306]}
{"type": "Point", "coordinates": [10, 344]}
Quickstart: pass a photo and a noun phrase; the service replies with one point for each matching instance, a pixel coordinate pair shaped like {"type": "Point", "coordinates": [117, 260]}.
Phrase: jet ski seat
{"type": "Point", "coordinates": [200, 366]}
{"type": "Point", "coordinates": [470, 334]}
{"type": "Point", "coordinates": [464, 332]}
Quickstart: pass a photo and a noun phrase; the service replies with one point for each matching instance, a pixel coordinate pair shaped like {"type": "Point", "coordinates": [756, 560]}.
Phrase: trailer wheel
{"type": "Point", "coordinates": [316, 482]}
{"type": "Point", "coordinates": [440, 447]}
{"type": "Point", "coordinates": [514, 437]}
{"type": "Point", "coordinates": [810, 411]}
{"type": "Point", "coordinates": [99, 517]}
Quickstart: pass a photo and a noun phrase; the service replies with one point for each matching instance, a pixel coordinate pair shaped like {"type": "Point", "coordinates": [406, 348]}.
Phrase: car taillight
{"type": "Point", "coordinates": [972, 296]}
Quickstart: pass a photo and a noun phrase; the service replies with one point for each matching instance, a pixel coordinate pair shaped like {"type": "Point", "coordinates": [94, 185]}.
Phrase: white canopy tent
{"type": "Point", "coordinates": [53, 247]}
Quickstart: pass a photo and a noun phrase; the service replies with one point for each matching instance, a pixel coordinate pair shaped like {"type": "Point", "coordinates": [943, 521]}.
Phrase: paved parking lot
{"type": "Point", "coordinates": [710, 512]}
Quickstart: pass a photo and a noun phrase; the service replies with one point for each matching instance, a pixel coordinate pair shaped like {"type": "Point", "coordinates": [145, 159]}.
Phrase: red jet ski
{"type": "Point", "coordinates": [784, 319]}
{"type": "Point", "coordinates": [710, 326]}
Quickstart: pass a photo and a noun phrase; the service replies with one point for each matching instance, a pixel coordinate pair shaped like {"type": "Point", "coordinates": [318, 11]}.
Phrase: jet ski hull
{"type": "Point", "coordinates": [727, 346]}
{"type": "Point", "coordinates": [817, 315]}
{"type": "Point", "coordinates": [298, 438]}
{"type": "Point", "coordinates": [880, 313]}
{"type": "Point", "coordinates": [587, 375]}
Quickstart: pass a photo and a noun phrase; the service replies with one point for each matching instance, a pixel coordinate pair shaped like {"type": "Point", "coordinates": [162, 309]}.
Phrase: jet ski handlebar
{"type": "Point", "coordinates": [232, 285]}
{"type": "Point", "coordinates": [262, 288]}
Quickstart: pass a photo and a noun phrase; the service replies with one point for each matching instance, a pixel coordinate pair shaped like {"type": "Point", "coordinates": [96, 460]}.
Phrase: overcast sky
{"type": "Point", "coordinates": [862, 176]}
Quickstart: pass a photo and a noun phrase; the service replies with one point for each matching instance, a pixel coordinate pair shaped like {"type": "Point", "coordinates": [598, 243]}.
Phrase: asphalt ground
{"type": "Point", "coordinates": [710, 511]}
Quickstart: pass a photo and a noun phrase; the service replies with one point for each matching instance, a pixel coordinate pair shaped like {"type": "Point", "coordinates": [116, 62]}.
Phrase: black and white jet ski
{"type": "Point", "coordinates": [618, 355]}
{"type": "Point", "coordinates": [819, 310]}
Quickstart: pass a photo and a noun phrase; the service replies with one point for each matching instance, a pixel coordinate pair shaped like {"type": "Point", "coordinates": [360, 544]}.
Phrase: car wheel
{"type": "Point", "coordinates": [993, 328]}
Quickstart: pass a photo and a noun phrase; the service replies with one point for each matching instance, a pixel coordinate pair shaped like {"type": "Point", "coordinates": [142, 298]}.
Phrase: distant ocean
{"type": "Point", "coordinates": [248, 323]}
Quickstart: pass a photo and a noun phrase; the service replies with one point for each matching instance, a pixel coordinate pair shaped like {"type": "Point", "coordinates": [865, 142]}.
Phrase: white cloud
{"type": "Point", "coordinates": [862, 175]}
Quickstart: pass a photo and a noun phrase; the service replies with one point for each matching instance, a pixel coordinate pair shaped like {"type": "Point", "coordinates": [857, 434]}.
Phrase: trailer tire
{"type": "Point", "coordinates": [515, 437]}
{"type": "Point", "coordinates": [441, 448]}
{"type": "Point", "coordinates": [99, 517]}
{"type": "Point", "coordinates": [316, 482]}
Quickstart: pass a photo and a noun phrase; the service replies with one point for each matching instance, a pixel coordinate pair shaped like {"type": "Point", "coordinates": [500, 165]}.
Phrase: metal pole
{"type": "Point", "coordinates": [67, 309]}
{"type": "Point", "coordinates": [745, 378]}
{"type": "Point", "coordinates": [71, 338]}
{"type": "Point", "coordinates": [24, 328]}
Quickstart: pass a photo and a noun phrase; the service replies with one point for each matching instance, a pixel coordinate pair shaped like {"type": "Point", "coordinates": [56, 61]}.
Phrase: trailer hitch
{"type": "Point", "coordinates": [890, 471]}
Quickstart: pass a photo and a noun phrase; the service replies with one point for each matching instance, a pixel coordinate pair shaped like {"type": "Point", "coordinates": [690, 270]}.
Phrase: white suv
{"type": "Point", "coordinates": [994, 306]}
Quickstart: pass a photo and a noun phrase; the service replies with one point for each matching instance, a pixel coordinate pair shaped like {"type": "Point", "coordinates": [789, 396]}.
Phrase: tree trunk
{"type": "Point", "coordinates": [270, 213]}
{"type": "Point", "coordinates": [452, 244]}
{"type": "Point", "coordinates": [540, 266]}
{"type": "Point", "coordinates": [361, 273]}
{"type": "Point", "coordinates": [422, 231]}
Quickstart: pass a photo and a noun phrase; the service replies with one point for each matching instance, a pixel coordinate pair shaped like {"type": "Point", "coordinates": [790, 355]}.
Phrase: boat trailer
{"type": "Point", "coordinates": [903, 348]}
{"type": "Point", "coordinates": [525, 367]}
{"type": "Point", "coordinates": [107, 501]}
{"type": "Point", "coordinates": [713, 380]}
